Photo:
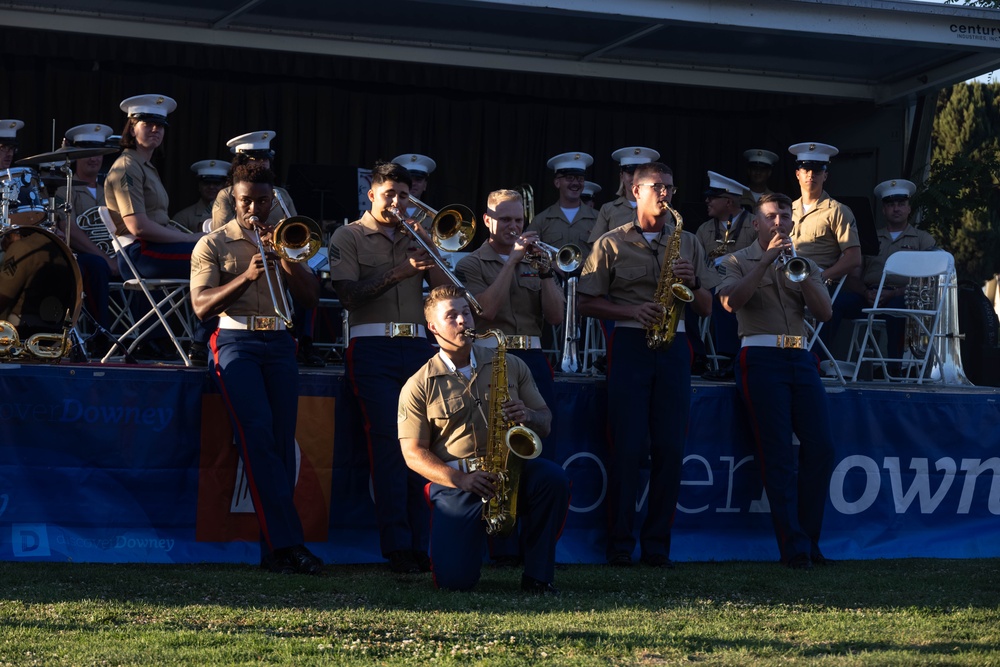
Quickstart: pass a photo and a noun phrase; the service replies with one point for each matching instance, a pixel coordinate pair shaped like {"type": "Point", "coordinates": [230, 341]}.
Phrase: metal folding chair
{"type": "Point", "coordinates": [812, 333]}
{"type": "Point", "coordinates": [174, 301]}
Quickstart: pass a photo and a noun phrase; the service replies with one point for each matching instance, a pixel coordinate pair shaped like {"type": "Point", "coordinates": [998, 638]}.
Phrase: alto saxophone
{"type": "Point", "coordinates": [505, 438]}
{"type": "Point", "coordinates": [671, 292]}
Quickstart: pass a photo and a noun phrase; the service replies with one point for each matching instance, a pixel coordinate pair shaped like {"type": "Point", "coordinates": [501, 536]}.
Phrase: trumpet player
{"type": "Point", "coordinates": [253, 361]}
{"type": "Point", "coordinates": [648, 388]}
{"type": "Point", "coordinates": [514, 283]}
{"type": "Point", "coordinates": [444, 427]}
{"type": "Point", "coordinates": [779, 379]}
{"type": "Point", "coordinates": [378, 273]}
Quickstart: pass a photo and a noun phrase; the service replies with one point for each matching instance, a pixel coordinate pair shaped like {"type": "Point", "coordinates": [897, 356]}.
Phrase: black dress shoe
{"type": "Point", "coordinates": [819, 559]}
{"type": "Point", "coordinates": [657, 560]}
{"type": "Point", "coordinates": [422, 560]}
{"type": "Point", "coordinates": [537, 587]}
{"type": "Point", "coordinates": [620, 560]}
{"type": "Point", "coordinates": [401, 562]}
{"type": "Point", "coordinates": [304, 561]}
{"type": "Point", "coordinates": [800, 562]}
{"type": "Point", "coordinates": [276, 563]}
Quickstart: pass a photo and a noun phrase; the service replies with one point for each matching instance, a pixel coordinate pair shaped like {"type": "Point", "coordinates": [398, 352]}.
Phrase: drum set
{"type": "Point", "coordinates": [41, 289]}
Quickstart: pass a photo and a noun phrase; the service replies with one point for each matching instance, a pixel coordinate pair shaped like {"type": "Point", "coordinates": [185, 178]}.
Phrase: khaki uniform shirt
{"type": "Point", "coordinates": [627, 269]}
{"type": "Point", "coordinates": [441, 407]}
{"type": "Point", "coordinates": [718, 244]}
{"type": "Point", "coordinates": [360, 251]}
{"type": "Point", "coordinates": [910, 239]}
{"type": "Point", "coordinates": [553, 227]}
{"type": "Point", "coordinates": [222, 256]}
{"type": "Point", "coordinates": [614, 214]}
{"type": "Point", "coordinates": [825, 232]}
{"type": "Point", "coordinates": [132, 187]}
{"type": "Point", "coordinates": [83, 201]}
{"type": "Point", "coordinates": [194, 216]}
{"type": "Point", "coordinates": [521, 313]}
{"type": "Point", "coordinates": [777, 307]}
{"type": "Point", "coordinates": [224, 208]}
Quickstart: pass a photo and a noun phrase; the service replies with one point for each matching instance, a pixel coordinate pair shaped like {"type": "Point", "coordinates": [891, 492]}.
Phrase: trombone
{"type": "Point", "coordinates": [295, 239]}
{"type": "Point", "coordinates": [452, 229]}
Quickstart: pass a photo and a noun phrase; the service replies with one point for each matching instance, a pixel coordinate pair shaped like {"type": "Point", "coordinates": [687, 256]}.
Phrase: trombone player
{"type": "Point", "coordinates": [779, 378]}
{"type": "Point", "coordinates": [378, 274]}
{"type": "Point", "coordinates": [514, 282]}
{"type": "Point", "coordinates": [253, 360]}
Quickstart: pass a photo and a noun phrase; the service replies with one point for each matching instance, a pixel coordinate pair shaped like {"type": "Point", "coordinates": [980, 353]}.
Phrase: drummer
{"type": "Point", "coordinates": [137, 202]}
{"type": "Point", "coordinates": [96, 266]}
{"type": "Point", "coordinates": [8, 141]}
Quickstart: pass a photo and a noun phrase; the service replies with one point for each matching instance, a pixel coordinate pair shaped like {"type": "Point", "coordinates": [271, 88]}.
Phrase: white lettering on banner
{"type": "Point", "coordinates": [973, 468]}
{"type": "Point", "coordinates": [604, 481]}
{"type": "Point", "coordinates": [115, 542]}
{"type": "Point", "coordinates": [75, 411]}
{"type": "Point", "coordinates": [708, 481]}
{"type": "Point", "coordinates": [919, 488]}
{"type": "Point", "coordinates": [729, 487]}
{"type": "Point", "coordinates": [921, 485]}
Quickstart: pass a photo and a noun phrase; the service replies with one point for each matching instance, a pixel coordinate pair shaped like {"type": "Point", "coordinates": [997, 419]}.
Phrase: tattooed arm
{"type": "Point", "coordinates": [356, 293]}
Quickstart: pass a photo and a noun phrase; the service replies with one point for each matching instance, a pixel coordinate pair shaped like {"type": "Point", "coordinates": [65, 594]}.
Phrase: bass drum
{"type": "Point", "coordinates": [40, 291]}
{"type": "Point", "coordinates": [26, 204]}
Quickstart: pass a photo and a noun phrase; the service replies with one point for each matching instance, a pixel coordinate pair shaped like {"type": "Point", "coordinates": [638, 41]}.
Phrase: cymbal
{"type": "Point", "coordinates": [57, 180]}
{"type": "Point", "coordinates": [67, 153]}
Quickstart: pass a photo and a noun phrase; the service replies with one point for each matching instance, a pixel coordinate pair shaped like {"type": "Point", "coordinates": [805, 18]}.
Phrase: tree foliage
{"type": "Point", "coordinates": [960, 201]}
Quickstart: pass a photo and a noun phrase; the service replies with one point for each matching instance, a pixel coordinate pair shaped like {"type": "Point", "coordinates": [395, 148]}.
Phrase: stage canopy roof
{"type": "Point", "coordinates": [881, 51]}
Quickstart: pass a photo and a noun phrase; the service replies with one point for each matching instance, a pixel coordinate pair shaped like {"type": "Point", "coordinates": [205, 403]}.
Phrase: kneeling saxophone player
{"type": "Point", "coordinates": [444, 431]}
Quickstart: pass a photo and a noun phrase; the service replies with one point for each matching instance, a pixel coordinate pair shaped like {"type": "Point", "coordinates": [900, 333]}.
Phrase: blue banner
{"type": "Point", "coordinates": [137, 465]}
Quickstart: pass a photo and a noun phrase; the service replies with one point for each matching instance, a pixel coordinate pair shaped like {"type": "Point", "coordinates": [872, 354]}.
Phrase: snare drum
{"type": "Point", "coordinates": [40, 284]}
{"type": "Point", "coordinates": [27, 204]}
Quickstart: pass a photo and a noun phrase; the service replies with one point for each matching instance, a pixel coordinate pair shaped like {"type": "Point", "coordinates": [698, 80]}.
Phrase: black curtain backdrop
{"type": "Point", "coordinates": [485, 128]}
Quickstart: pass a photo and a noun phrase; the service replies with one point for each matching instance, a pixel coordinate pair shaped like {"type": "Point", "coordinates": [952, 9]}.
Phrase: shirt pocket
{"type": "Point", "coordinates": [630, 273]}
{"type": "Point", "coordinates": [444, 408]}
{"type": "Point", "coordinates": [374, 260]}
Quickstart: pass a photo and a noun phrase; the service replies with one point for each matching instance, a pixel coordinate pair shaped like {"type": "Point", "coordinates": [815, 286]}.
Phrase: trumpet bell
{"type": "Point", "coordinates": [569, 258]}
{"type": "Point", "coordinates": [453, 228]}
{"type": "Point", "coordinates": [797, 269]}
{"type": "Point", "coordinates": [297, 239]}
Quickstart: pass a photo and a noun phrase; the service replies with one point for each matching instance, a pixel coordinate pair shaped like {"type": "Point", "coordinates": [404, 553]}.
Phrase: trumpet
{"type": "Point", "coordinates": [542, 256]}
{"type": "Point", "coordinates": [796, 268]}
{"type": "Point", "coordinates": [452, 229]}
{"type": "Point", "coordinates": [295, 239]}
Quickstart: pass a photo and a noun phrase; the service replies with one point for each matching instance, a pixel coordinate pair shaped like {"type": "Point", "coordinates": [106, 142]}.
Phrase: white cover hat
{"type": "Point", "coordinates": [148, 107]}
{"type": "Point", "coordinates": [591, 188]}
{"type": "Point", "coordinates": [415, 162]}
{"type": "Point", "coordinates": [251, 141]}
{"type": "Point", "coordinates": [897, 189]}
{"type": "Point", "coordinates": [570, 162]}
{"type": "Point", "coordinates": [635, 155]}
{"type": "Point", "coordinates": [812, 152]}
{"type": "Point", "coordinates": [720, 185]}
{"type": "Point", "coordinates": [761, 155]}
{"type": "Point", "coordinates": [212, 169]}
{"type": "Point", "coordinates": [9, 128]}
{"type": "Point", "coordinates": [91, 134]}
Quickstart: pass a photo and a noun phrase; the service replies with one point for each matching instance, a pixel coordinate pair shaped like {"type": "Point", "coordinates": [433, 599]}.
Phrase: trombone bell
{"type": "Point", "coordinates": [453, 228]}
{"type": "Point", "coordinates": [297, 239]}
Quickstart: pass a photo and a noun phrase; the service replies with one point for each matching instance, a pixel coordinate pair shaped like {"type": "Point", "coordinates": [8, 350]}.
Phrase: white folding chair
{"type": "Point", "coordinates": [174, 301]}
{"type": "Point", "coordinates": [92, 225]}
{"type": "Point", "coordinates": [812, 336]}
{"type": "Point", "coordinates": [909, 264]}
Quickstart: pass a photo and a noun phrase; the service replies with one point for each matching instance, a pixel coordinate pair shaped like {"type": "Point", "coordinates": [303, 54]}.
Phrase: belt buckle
{"type": "Point", "coordinates": [789, 342]}
{"type": "Point", "coordinates": [517, 342]}
{"type": "Point", "coordinates": [263, 323]}
{"type": "Point", "coordinates": [404, 330]}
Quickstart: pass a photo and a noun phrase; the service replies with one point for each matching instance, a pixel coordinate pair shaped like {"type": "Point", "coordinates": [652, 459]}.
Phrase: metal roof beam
{"type": "Point", "coordinates": [242, 9]}
{"type": "Point", "coordinates": [621, 42]}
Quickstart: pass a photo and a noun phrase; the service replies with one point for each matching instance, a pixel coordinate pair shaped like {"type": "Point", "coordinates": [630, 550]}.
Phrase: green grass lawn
{"type": "Point", "coordinates": [900, 612]}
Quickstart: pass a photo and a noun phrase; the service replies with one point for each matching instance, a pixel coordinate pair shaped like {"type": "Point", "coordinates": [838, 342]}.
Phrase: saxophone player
{"type": "Point", "coordinates": [619, 281]}
{"type": "Point", "coordinates": [443, 428]}
{"type": "Point", "coordinates": [779, 380]}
